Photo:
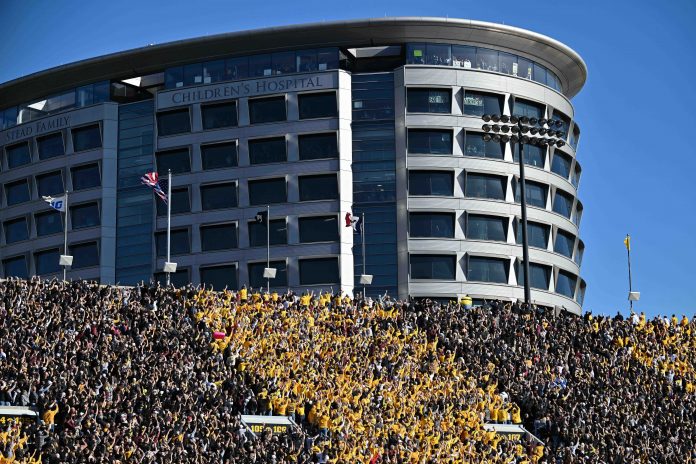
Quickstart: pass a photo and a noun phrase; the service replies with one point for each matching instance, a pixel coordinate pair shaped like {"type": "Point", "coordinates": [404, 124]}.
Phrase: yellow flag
{"type": "Point", "coordinates": [627, 242]}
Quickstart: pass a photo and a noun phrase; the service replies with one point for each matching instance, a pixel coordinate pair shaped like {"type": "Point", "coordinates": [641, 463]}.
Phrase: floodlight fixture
{"type": "Point", "coordinates": [486, 117]}
{"type": "Point", "coordinates": [533, 121]}
{"type": "Point", "coordinates": [505, 118]}
{"type": "Point", "coordinates": [496, 128]}
{"type": "Point", "coordinates": [486, 128]}
{"type": "Point", "coordinates": [487, 137]}
{"type": "Point", "coordinates": [495, 118]}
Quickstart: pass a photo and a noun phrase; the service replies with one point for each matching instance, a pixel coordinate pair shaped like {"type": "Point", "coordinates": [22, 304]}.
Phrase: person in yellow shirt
{"type": "Point", "coordinates": [49, 415]}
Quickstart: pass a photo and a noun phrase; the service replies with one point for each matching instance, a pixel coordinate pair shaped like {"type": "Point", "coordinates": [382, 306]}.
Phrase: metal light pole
{"type": "Point", "coordinates": [268, 246]}
{"type": "Point", "coordinates": [520, 127]}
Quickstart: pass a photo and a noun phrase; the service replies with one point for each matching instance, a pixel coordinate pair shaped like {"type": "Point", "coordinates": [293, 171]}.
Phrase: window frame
{"type": "Point", "coordinates": [6, 149]}
{"type": "Point", "coordinates": [205, 267]}
{"type": "Point", "coordinates": [163, 234]}
{"type": "Point", "coordinates": [39, 214]}
{"type": "Point", "coordinates": [267, 179]}
{"type": "Point", "coordinates": [84, 204]}
{"type": "Point", "coordinates": [273, 264]}
{"type": "Point", "coordinates": [12, 221]}
{"type": "Point", "coordinates": [172, 111]}
{"type": "Point", "coordinates": [450, 214]}
{"type": "Point", "coordinates": [315, 93]}
{"type": "Point", "coordinates": [432, 131]}
{"type": "Point", "coordinates": [447, 90]}
{"type": "Point", "coordinates": [258, 141]}
{"type": "Point", "coordinates": [234, 143]}
{"type": "Point", "coordinates": [309, 135]}
{"type": "Point", "coordinates": [322, 216]}
{"type": "Point", "coordinates": [502, 179]}
{"type": "Point", "coordinates": [164, 172]}
{"type": "Point", "coordinates": [315, 176]}
{"type": "Point", "coordinates": [86, 126]}
{"type": "Point", "coordinates": [83, 243]}
{"type": "Point", "coordinates": [450, 173]}
{"type": "Point", "coordinates": [503, 219]}
{"type": "Point", "coordinates": [46, 136]}
{"type": "Point", "coordinates": [505, 261]}
{"type": "Point", "coordinates": [262, 243]}
{"type": "Point", "coordinates": [219, 104]}
{"type": "Point", "coordinates": [44, 175]}
{"type": "Point", "coordinates": [449, 256]}
{"type": "Point", "coordinates": [251, 101]}
{"type": "Point", "coordinates": [234, 182]}
{"type": "Point", "coordinates": [301, 261]}
{"type": "Point", "coordinates": [43, 251]}
{"type": "Point", "coordinates": [218, 225]}
{"type": "Point", "coordinates": [27, 183]}
{"type": "Point", "coordinates": [81, 166]}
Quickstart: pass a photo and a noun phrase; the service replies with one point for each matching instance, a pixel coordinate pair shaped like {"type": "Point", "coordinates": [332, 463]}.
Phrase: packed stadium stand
{"type": "Point", "coordinates": [162, 375]}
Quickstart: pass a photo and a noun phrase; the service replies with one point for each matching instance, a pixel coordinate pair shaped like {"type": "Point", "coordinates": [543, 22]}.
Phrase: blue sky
{"type": "Point", "coordinates": [638, 177]}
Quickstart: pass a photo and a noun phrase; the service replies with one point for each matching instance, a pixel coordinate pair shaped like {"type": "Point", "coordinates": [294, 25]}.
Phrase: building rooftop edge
{"type": "Point", "coordinates": [570, 67]}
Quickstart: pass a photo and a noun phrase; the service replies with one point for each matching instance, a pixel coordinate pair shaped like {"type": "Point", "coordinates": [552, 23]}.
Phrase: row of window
{"type": "Point", "coordinates": [46, 261]}
{"type": "Point", "coordinates": [492, 228]}
{"type": "Point", "coordinates": [74, 98]}
{"type": "Point", "coordinates": [440, 142]}
{"type": "Point", "coordinates": [218, 237]}
{"type": "Point", "coordinates": [492, 187]}
{"type": "Point", "coordinates": [261, 110]}
{"type": "Point", "coordinates": [468, 57]}
{"type": "Point", "coordinates": [261, 151]}
{"type": "Point", "coordinates": [83, 177]}
{"type": "Point", "coordinates": [488, 269]}
{"type": "Point", "coordinates": [242, 67]}
{"type": "Point", "coordinates": [474, 103]}
{"type": "Point", "coordinates": [261, 192]}
{"type": "Point", "coordinates": [49, 222]}
{"type": "Point", "coordinates": [52, 145]}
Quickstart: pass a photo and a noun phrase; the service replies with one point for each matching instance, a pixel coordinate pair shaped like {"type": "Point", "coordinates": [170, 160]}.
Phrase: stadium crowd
{"type": "Point", "coordinates": [161, 375]}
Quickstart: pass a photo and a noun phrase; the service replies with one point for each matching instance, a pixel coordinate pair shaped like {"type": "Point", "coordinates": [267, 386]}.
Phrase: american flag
{"type": "Point", "coordinates": [151, 179]}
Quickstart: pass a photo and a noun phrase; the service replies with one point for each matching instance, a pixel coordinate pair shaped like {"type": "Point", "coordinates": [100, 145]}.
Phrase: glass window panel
{"type": "Point", "coordinates": [177, 160]}
{"type": "Point", "coordinates": [487, 59]}
{"type": "Point", "coordinates": [47, 261]}
{"type": "Point", "coordinates": [581, 293]}
{"type": "Point", "coordinates": [322, 187]}
{"type": "Point", "coordinates": [563, 203]}
{"type": "Point", "coordinates": [561, 164]}
{"type": "Point", "coordinates": [260, 65]}
{"type": "Point", "coordinates": [277, 236]}
{"type": "Point", "coordinates": [49, 222]}
{"type": "Point", "coordinates": [415, 53]}
{"type": "Point", "coordinates": [507, 63]}
{"type": "Point", "coordinates": [85, 255]}
{"type": "Point", "coordinates": [553, 81]}
{"type": "Point", "coordinates": [219, 196]}
{"type": "Point", "coordinates": [174, 77]}
{"type": "Point", "coordinates": [85, 177]}
{"type": "Point", "coordinates": [486, 228]}
{"type": "Point", "coordinates": [86, 138]}
{"type": "Point", "coordinates": [219, 237]}
{"type": "Point", "coordinates": [431, 183]}
{"type": "Point", "coordinates": [318, 229]}
{"type": "Point", "coordinates": [213, 71]}
{"type": "Point", "coordinates": [180, 202]}
{"type": "Point", "coordinates": [483, 269]}
{"type": "Point", "coordinates": [319, 271]}
{"type": "Point", "coordinates": [257, 280]}
{"type": "Point", "coordinates": [431, 225]}
{"type": "Point", "coordinates": [219, 155]}
{"type": "Point", "coordinates": [17, 192]}
{"type": "Point", "coordinates": [220, 277]}
{"type": "Point", "coordinates": [565, 284]}
{"type": "Point", "coordinates": [474, 145]}
{"type": "Point", "coordinates": [565, 243]}
{"type": "Point", "coordinates": [479, 103]}
{"type": "Point", "coordinates": [193, 74]}
{"type": "Point", "coordinates": [427, 141]}
{"type": "Point", "coordinates": [10, 117]}
{"type": "Point", "coordinates": [575, 137]}
{"type": "Point", "coordinates": [438, 54]}
{"type": "Point", "coordinates": [429, 100]}
{"type": "Point", "coordinates": [527, 108]}
{"type": "Point", "coordinates": [178, 279]}
{"type": "Point", "coordinates": [85, 95]}
{"type": "Point", "coordinates": [558, 116]}
{"type": "Point", "coordinates": [539, 275]}
{"type": "Point", "coordinates": [539, 73]}
{"type": "Point", "coordinates": [236, 68]}
{"type": "Point", "coordinates": [173, 122]}
{"type": "Point", "coordinates": [272, 150]}
{"type": "Point", "coordinates": [16, 230]}
{"type": "Point", "coordinates": [463, 56]}
{"type": "Point", "coordinates": [18, 155]}
{"type": "Point", "coordinates": [318, 146]}
{"type": "Point", "coordinates": [578, 215]}
{"type": "Point", "coordinates": [50, 146]}
{"type": "Point", "coordinates": [179, 242]}
{"type": "Point", "coordinates": [525, 68]}
{"type": "Point", "coordinates": [440, 267]}
{"type": "Point", "coordinates": [262, 110]}
{"type": "Point", "coordinates": [485, 186]}
{"type": "Point", "coordinates": [327, 58]}
{"type": "Point", "coordinates": [102, 91]}
{"type": "Point", "coordinates": [579, 254]}
{"type": "Point", "coordinates": [536, 193]}
{"type": "Point", "coordinates": [284, 63]}
{"type": "Point", "coordinates": [537, 234]}
{"type": "Point", "coordinates": [16, 267]}
{"type": "Point", "coordinates": [533, 154]}
{"type": "Point", "coordinates": [306, 61]}
{"type": "Point", "coordinates": [267, 191]}
{"type": "Point", "coordinates": [85, 215]}
{"type": "Point", "coordinates": [50, 183]}
{"type": "Point", "coordinates": [219, 115]}
{"type": "Point", "coordinates": [318, 105]}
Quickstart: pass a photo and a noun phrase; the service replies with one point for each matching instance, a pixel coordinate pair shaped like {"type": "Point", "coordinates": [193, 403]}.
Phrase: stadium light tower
{"type": "Point", "coordinates": [523, 130]}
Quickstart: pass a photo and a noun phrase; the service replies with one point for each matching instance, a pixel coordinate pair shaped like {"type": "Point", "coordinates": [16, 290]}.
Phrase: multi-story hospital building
{"type": "Point", "coordinates": [380, 117]}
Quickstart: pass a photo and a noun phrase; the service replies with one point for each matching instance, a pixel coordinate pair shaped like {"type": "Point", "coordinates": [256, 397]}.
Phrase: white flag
{"type": "Point", "coordinates": [57, 203]}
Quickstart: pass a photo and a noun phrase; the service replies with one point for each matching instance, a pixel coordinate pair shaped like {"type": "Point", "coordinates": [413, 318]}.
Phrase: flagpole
{"type": "Point", "coordinates": [268, 246]}
{"type": "Point", "coordinates": [169, 221]}
{"type": "Point", "coordinates": [65, 235]}
{"type": "Point", "coordinates": [630, 285]}
{"type": "Point", "coordinates": [362, 239]}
